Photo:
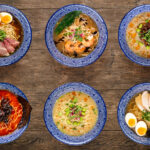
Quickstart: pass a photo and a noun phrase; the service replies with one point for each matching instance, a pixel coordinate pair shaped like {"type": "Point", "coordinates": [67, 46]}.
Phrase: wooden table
{"type": "Point", "coordinates": [37, 74]}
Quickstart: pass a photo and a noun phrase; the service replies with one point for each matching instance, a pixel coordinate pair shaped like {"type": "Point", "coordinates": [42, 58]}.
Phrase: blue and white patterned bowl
{"type": "Point", "coordinates": [76, 62]}
{"type": "Point", "coordinates": [22, 50]}
{"type": "Point", "coordinates": [122, 35]}
{"type": "Point", "coordinates": [18, 132]}
{"type": "Point", "coordinates": [74, 140]}
{"type": "Point", "coordinates": [122, 108]}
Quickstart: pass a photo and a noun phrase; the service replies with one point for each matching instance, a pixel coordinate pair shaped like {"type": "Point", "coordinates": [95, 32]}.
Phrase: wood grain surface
{"type": "Point", "coordinates": [37, 74]}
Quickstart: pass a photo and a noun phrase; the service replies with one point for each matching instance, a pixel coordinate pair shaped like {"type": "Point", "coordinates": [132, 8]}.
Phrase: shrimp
{"type": "Point", "coordinates": [79, 47]}
{"type": "Point", "coordinates": [69, 46]}
{"type": "Point", "coordinates": [72, 47]}
{"type": "Point", "coordinates": [88, 41]}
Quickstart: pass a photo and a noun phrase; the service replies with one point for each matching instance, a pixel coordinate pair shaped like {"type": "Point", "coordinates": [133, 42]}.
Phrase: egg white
{"type": "Point", "coordinates": [130, 116]}
{"type": "Point", "coordinates": [2, 14]}
{"type": "Point", "coordinates": [140, 124]}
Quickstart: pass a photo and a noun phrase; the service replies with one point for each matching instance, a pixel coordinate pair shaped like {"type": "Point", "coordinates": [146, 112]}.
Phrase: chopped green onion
{"type": "Point", "coordinates": [68, 122]}
{"type": "Point", "coordinates": [67, 109]}
{"type": "Point", "coordinates": [138, 30]}
{"type": "Point", "coordinates": [147, 20]}
{"type": "Point", "coordinates": [140, 26]}
{"type": "Point", "coordinates": [76, 123]}
{"type": "Point", "coordinates": [83, 113]}
{"type": "Point", "coordinates": [147, 47]}
{"type": "Point", "coordinates": [71, 105]}
{"type": "Point", "coordinates": [75, 100]}
{"type": "Point", "coordinates": [81, 119]}
{"type": "Point", "coordinates": [94, 110]}
{"type": "Point", "coordinates": [146, 115]}
{"type": "Point", "coordinates": [84, 109]}
{"type": "Point", "coordinates": [140, 43]}
{"type": "Point", "coordinates": [60, 113]}
{"type": "Point", "coordinates": [2, 35]}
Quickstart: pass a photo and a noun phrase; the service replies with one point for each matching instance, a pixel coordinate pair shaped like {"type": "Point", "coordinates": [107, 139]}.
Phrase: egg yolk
{"type": "Point", "coordinates": [131, 122]}
{"type": "Point", "coordinates": [141, 131]}
{"type": "Point", "coordinates": [6, 19]}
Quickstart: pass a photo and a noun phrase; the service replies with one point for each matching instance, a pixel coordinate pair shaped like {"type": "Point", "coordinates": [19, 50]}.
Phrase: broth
{"type": "Point", "coordinates": [75, 113]}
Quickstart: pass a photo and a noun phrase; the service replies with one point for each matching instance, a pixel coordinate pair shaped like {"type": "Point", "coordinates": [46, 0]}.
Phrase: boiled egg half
{"type": "Point", "coordinates": [6, 17]}
{"type": "Point", "coordinates": [141, 128]}
{"type": "Point", "coordinates": [130, 120]}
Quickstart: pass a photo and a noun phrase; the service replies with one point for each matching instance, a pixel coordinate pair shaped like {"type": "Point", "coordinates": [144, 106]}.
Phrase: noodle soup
{"type": "Point", "coordinates": [14, 112]}
{"type": "Point", "coordinates": [138, 114]}
{"type": "Point", "coordinates": [75, 113]}
{"type": "Point", "coordinates": [76, 34]}
{"type": "Point", "coordinates": [138, 35]}
{"type": "Point", "coordinates": [11, 34]}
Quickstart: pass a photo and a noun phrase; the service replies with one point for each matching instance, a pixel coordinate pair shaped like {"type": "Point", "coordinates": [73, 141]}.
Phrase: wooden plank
{"type": "Point", "coordinates": [25, 4]}
{"type": "Point", "coordinates": [43, 140]}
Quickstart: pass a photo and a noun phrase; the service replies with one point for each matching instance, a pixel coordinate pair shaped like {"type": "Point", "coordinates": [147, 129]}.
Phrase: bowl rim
{"type": "Point", "coordinates": [26, 126]}
{"type": "Point", "coordinates": [83, 142]}
{"type": "Point", "coordinates": [67, 64]}
{"type": "Point", "coordinates": [20, 57]}
{"type": "Point", "coordinates": [118, 109]}
{"type": "Point", "coordinates": [126, 14]}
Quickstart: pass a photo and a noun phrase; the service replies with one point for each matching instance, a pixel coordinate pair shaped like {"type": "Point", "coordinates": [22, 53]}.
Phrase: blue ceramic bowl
{"type": "Point", "coordinates": [18, 132]}
{"type": "Point", "coordinates": [74, 140]}
{"type": "Point", "coordinates": [122, 108]}
{"type": "Point", "coordinates": [22, 50]}
{"type": "Point", "coordinates": [122, 35]}
{"type": "Point", "coordinates": [76, 62]}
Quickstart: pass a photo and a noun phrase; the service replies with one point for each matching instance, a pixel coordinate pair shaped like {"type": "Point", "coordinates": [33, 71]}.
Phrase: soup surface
{"type": "Point", "coordinates": [76, 37]}
{"type": "Point", "coordinates": [138, 34]}
{"type": "Point", "coordinates": [75, 113]}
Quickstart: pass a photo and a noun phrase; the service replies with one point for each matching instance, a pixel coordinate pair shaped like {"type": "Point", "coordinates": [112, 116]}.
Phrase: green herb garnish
{"type": "Point", "coordinates": [146, 115]}
{"type": "Point", "coordinates": [2, 35]}
{"type": "Point", "coordinates": [140, 25]}
{"type": "Point", "coordinates": [78, 33]}
{"type": "Point", "coordinates": [147, 36]}
{"type": "Point", "coordinates": [60, 113]}
{"type": "Point", "coordinates": [94, 110]}
{"type": "Point", "coordinates": [144, 34]}
{"type": "Point", "coordinates": [67, 21]}
{"type": "Point", "coordinates": [74, 128]}
{"type": "Point", "coordinates": [75, 113]}
{"type": "Point", "coordinates": [75, 100]}
{"type": "Point", "coordinates": [147, 20]}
